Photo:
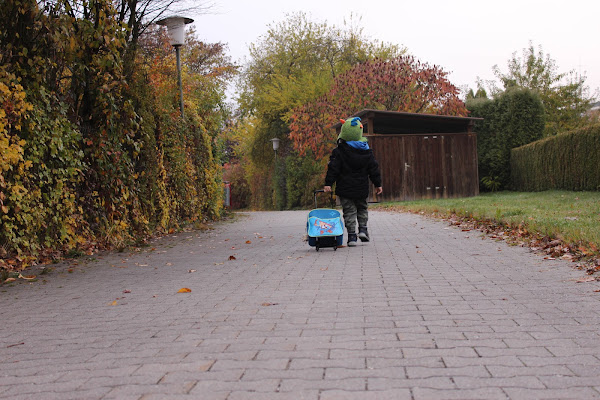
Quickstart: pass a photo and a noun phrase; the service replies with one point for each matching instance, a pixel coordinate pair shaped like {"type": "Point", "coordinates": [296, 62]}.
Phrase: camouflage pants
{"type": "Point", "coordinates": [354, 209]}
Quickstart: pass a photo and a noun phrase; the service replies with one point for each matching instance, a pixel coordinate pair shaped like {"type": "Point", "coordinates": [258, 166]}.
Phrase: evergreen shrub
{"type": "Point", "coordinates": [512, 119]}
{"type": "Point", "coordinates": [568, 161]}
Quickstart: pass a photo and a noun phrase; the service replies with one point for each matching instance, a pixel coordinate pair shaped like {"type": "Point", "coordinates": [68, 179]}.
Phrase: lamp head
{"type": "Point", "coordinates": [275, 142]}
{"type": "Point", "coordinates": [175, 28]}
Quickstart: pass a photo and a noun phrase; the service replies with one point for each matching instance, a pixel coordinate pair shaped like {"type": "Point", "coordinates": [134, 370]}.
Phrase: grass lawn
{"type": "Point", "coordinates": [572, 217]}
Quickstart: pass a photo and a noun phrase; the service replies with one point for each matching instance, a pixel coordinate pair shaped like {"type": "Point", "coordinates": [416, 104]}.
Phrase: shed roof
{"type": "Point", "coordinates": [385, 122]}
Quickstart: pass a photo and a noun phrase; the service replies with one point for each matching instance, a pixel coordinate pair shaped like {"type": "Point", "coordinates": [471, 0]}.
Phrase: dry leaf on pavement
{"type": "Point", "coordinates": [586, 279]}
{"type": "Point", "coordinates": [184, 290]}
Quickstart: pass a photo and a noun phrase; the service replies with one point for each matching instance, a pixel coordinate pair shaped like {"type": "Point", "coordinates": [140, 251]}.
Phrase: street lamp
{"type": "Point", "coordinates": [275, 145]}
{"type": "Point", "coordinates": [176, 30]}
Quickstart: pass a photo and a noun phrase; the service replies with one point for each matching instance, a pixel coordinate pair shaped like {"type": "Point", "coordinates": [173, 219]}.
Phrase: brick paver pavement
{"type": "Point", "coordinates": [424, 311]}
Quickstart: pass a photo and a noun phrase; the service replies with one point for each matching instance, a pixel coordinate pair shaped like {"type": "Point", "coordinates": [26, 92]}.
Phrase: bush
{"type": "Point", "coordinates": [512, 119]}
{"type": "Point", "coordinates": [304, 175]}
{"type": "Point", "coordinates": [569, 161]}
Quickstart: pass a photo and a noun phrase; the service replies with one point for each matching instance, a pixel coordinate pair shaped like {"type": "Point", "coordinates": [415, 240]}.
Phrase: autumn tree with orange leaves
{"type": "Point", "coordinates": [398, 84]}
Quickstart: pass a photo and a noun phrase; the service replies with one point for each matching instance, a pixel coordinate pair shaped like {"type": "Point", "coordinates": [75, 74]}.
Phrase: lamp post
{"type": "Point", "coordinates": [276, 191]}
{"type": "Point", "coordinates": [275, 142]}
{"type": "Point", "coordinates": [176, 30]}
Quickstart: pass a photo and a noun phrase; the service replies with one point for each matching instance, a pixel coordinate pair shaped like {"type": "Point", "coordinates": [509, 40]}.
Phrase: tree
{"type": "Point", "coordinates": [399, 84]}
{"type": "Point", "coordinates": [564, 94]}
{"type": "Point", "coordinates": [296, 60]}
{"type": "Point", "coordinates": [292, 64]}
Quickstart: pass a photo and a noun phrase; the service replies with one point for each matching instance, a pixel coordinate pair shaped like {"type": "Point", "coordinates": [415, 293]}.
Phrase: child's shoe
{"type": "Point", "coordinates": [363, 234]}
{"type": "Point", "coordinates": [351, 239]}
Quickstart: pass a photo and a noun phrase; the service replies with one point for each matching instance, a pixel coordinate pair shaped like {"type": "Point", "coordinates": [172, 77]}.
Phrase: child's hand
{"type": "Point", "coordinates": [379, 190]}
{"type": "Point", "coordinates": [327, 188]}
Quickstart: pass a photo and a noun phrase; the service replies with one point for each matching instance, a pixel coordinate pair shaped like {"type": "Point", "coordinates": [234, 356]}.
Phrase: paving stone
{"type": "Point", "coordinates": [459, 394]}
{"type": "Point", "coordinates": [391, 394]}
{"type": "Point", "coordinates": [458, 317]}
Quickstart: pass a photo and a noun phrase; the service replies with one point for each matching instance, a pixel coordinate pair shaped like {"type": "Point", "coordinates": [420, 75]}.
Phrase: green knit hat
{"type": "Point", "coordinates": [352, 130]}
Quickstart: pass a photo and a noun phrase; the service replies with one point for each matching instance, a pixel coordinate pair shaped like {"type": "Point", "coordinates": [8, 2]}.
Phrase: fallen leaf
{"type": "Point", "coordinates": [219, 263]}
{"type": "Point", "coordinates": [269, 304]}
{"type": "Point", "coordinates": [248, 241]}
{"type": "Point", "coordinates": [232, 258]}
{"type": "Point", "coordinates": [27, 277]}
{"type": "Point", "coordinates": [10, 280]}
{"type": "Point", "coordinates": [586, 279]}
{"type": "Point", "coordinates": [191, 270]}
{"type": "Point", "coordinates": [184, 290]}
{"type": "Point", "coordinates": [114, 303]}
{"type": "Point", "coordinates": [169, 264]}
{"type": "Point", "coordinates": [126, 291]}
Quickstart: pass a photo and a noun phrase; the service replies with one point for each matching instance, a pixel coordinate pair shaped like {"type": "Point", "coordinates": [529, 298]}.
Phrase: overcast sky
{"type": "Point", "coordinates": [464, 37]}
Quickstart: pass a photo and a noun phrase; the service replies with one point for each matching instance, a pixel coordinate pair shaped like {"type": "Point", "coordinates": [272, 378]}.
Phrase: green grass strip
{"type": "Point", "coordinates": [573, 217]}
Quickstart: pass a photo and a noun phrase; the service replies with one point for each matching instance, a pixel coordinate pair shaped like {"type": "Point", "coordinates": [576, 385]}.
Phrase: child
{"type": "Point", "coordinates": [351, 165]}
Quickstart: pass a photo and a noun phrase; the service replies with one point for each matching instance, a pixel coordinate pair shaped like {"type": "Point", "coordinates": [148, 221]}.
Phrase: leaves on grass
{"type": "Point", "coordinates": [184, 290]}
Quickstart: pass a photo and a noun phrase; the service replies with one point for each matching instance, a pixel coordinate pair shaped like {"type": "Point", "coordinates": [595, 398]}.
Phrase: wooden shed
{"type": "Point", "coordinates": [422, 156]}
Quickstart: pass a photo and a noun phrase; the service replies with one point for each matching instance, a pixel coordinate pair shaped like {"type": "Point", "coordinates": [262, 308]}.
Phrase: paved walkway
{"type": "Point", "coordinates": [424, 311]}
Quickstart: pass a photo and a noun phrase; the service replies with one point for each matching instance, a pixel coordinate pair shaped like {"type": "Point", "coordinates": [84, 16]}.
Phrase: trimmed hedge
{"type": "Point", "coordinates": [569, 161]}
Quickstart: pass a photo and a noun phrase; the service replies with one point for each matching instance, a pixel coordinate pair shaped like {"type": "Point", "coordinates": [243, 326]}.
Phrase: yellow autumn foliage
{"type": "Point", "coordinates": [13, 109]}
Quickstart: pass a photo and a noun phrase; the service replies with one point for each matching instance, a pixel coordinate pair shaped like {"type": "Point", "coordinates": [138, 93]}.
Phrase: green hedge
{"type": "Point", "coordinates": [569, 161]}
{"type": "Point", "coordinates": [511, 119]}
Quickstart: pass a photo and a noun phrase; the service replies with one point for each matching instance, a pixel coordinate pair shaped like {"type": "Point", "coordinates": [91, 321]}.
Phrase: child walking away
{"type": "Point", "coordinates": [350, 167]}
